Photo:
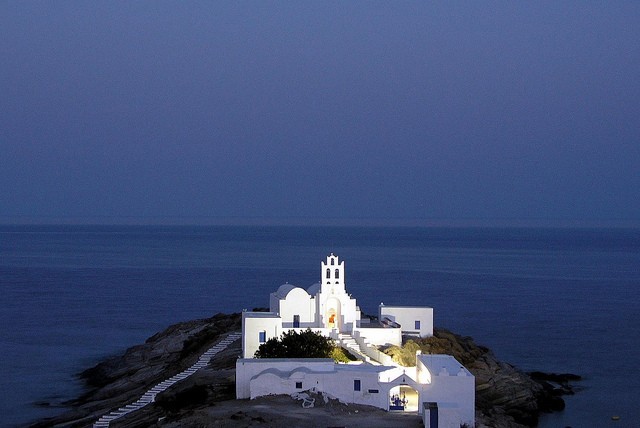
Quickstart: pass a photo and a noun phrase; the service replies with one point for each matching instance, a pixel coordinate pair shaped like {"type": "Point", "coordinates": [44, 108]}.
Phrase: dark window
{"type": "Point", "coordinates": [328, 273]}
{"type": "Point", "coordinates": [337, 273]}
{"type": "Point", "coordinates": [332, 262]}
{"type": "Point", "coordinates": [298, 385]}
{"type": "Point", "coordinates": [373, 391]}
{"type": "Point", "coordinates": [263, 336]}
{"type": "Point", "coordinates": [296, 321]}
{"type": "Point", "coordinates": [356, 384]}
{"type": "Point", "coordinates": [417, 324]}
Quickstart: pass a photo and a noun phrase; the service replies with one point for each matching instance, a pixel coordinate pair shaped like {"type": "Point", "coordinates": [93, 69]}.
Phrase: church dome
{"type": "Point", "coordinates": [285, 289]}
{"type": "Point", "coordinates": [313, 289]}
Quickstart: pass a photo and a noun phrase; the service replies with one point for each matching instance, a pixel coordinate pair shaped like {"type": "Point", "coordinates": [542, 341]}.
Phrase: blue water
{"type": "Point", "coordinates": [559, 300]}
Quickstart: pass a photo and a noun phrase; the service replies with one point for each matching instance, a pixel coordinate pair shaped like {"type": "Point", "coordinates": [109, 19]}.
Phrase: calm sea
{"type": "Point", "coordinates": [557, 300]}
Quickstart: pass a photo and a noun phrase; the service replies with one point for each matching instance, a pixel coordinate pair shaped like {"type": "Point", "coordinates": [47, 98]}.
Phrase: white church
{"type": "Point", "coordinates": [438, 387]}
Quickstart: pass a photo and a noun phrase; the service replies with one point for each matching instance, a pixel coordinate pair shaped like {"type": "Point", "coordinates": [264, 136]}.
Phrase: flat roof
{"type": "Point", "coordinates": [369, 368]}
{"type": "Point", "coordinates": [405, 306]}
{"type": "Point", "coordinates": [376, 324]}
{"type": "Point", "coordinates": [251, 314]}
{"type": "Point", "coordinates": [435, 363]}
{"type": "Point", "coordinates": [286, 360]}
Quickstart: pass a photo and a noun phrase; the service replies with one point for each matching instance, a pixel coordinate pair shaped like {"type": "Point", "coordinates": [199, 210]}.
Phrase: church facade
{"type": "Point", "coordinates": [326, 307]}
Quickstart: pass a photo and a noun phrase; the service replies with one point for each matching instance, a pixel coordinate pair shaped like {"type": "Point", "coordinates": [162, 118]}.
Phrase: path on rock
{"type": "Point", "coordinates": [150, 395]}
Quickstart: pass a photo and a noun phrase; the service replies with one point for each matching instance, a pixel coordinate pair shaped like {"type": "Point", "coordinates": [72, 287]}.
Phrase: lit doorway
{"type": "Point", "coordinates": [403, 398]}
{"type": "Point", "coordinates": [333, 313]}
{"type": "Point", "coordinates": [332, 318]}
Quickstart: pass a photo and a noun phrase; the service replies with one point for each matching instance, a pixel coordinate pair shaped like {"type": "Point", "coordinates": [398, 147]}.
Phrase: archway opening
{"type": "Point", "coordinates": [403, 398]}
{"type": "Point", "coordinates": [333, 314]}
{"type": "Point", "coordinates": [332, 318]}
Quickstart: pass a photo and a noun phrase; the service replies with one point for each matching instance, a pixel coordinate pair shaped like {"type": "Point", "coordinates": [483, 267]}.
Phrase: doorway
{"type": "Point", "coordinates": [333, 314]}
{"type": "Point", "coordinates": [403, 398]}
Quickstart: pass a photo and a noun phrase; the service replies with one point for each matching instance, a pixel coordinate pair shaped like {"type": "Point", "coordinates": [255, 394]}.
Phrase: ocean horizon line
{"type": "Point", "coordinates": [316, 222]}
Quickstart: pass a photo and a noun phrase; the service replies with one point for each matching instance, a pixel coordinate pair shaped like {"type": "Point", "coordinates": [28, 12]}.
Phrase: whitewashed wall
{"type": "Point", "coordinates": [406, 316]}
{"type": "Point", "coordinates": [452, 387]}
{"type": "Point", "coordinates": [258, 377]}
{"type": "Point", "coordinates": [298, 302]}
{"type": "Point", "coordinates": [379, 336]}
{"type": "Point", "coordinates": [341, 386]}
{"type": "Point", "coordinates": [448, 417]}
{"type": "Point", "coordinates": [252, 324]}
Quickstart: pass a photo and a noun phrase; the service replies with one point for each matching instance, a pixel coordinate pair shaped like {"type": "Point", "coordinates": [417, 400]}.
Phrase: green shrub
{"type": "Point", "coordinates": [341, 355]}
{"type": "Point", "coordinates": [306, 344]}
{"type": "Point", "coordinates": [404, 355]}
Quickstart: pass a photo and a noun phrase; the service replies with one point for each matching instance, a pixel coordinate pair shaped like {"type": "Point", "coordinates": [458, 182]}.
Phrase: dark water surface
{"type": "Point", "coordinates": [558, 300]}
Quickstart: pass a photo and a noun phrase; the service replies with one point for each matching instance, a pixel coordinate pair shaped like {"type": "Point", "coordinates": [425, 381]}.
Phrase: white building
{"type": "Point", "coordinates": [438, 387]}
{"type": "Point", "coordinates": [413, 320]}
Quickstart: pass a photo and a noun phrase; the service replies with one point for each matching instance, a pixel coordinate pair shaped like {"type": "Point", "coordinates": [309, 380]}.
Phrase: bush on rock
{"type": "Point", "coordinates": [306, 344]}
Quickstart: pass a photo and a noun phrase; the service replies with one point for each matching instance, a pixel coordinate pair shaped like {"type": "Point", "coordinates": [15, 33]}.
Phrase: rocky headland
{"type": "Point", "coordinates": [505, 396]}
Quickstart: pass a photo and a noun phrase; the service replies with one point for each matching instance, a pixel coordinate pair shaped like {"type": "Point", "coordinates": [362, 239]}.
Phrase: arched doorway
{"type": "Point", "coordinates": [332, 315]}
{"type": "Point", "coordinates": [332, 318]}
{"type": "Point", "coordinates": [403, 398]}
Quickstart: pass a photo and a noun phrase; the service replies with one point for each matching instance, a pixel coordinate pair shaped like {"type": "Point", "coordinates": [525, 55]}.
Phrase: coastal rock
{"type": "Point", "coordinates": [505, 396]}
{"type": "Point", "coordinates": [123, 379]}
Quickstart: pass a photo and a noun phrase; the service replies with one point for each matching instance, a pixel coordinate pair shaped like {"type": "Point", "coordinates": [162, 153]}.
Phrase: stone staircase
{"type": "Point", "coordinates": [150, 395]}
{"type": "Point", "coordinates": [349, 343]}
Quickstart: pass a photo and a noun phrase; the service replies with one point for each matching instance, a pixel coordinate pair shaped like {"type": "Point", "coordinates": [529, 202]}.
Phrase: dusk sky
{"type": "Point", "coordinates": [417, 111]}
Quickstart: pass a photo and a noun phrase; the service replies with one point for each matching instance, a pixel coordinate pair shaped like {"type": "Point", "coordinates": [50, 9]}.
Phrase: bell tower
{"type": "Point", "coordinates": [336, 308]}
{"type": "Point", "coordinates": [332, 273]}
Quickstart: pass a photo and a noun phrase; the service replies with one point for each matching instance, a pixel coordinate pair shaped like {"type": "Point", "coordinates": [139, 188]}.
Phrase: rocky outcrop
{"type": "Point", "coordinates": [505, 396]}
{"type": "Point", "coordinates": [120, 380]}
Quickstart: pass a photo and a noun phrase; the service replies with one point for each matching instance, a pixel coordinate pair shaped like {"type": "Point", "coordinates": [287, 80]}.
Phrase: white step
{"type": "Point", "coordinates": [150, 395]}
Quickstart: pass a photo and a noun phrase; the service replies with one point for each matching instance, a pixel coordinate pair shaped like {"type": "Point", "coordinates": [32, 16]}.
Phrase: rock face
{"type": "Point", "coordinates": [176, 348]}
{"type": "Point", "coordinates": [120, 380]}
{"type": "Point", "coordinates": [505, 396]}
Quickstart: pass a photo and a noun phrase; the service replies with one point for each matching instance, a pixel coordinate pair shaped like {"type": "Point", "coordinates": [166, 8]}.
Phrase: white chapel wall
{"type": "Point", "coordinates": [258, 327]}
{"type": "Point", "coordinates": [451, 386]}
{"type": "Point", "coordinates": [257, 377]}
{"type": "Point", "coordinates": [379, 336]}
{"type": "Point", "coordinates": [298, 302]}
{"type": "Point", "coordinates": [342, 386]}
{"type": "Point", "coordinates": [416, 320]}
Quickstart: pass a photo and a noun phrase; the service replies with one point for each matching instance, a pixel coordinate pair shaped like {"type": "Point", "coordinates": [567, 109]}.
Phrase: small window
{"type": "Point", "coordinates": [417, 324]}
{"type": "Point", "coordinates": [373, 391]}
{"type": "Point", "coordinates": [296, 321]}
{"type": "Point", "coordinates": [356, 384]}
{"type": "Point", "coordinates": [262, 336]}
{"type": "Point", "coordinates": [333, 262]}
{"type": "Point", "coordinates": [337, 273]}
{"type": "Point", "coordinates": [328, 273]}
{"type": "Point", "coordinates": [298, 385]}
